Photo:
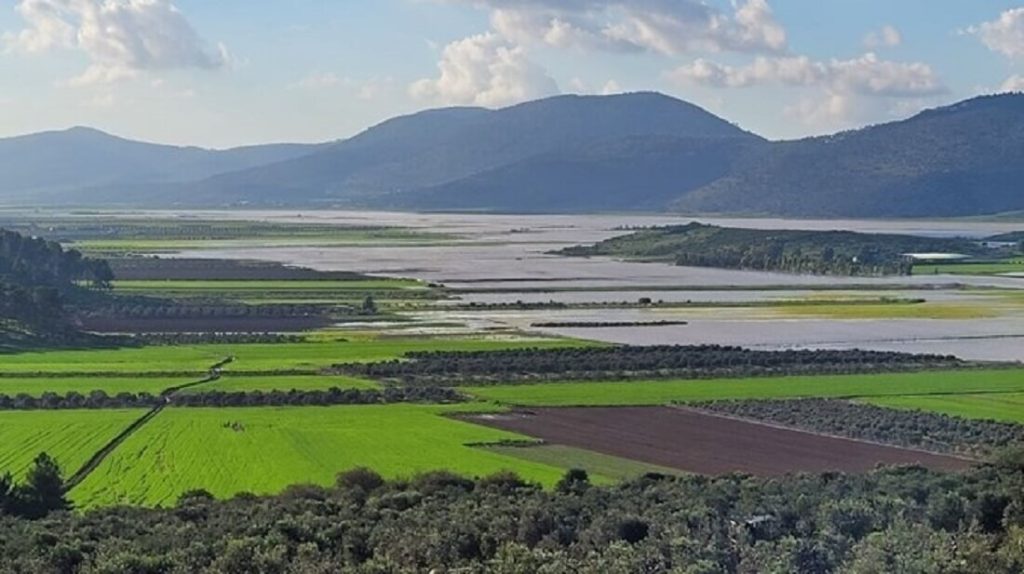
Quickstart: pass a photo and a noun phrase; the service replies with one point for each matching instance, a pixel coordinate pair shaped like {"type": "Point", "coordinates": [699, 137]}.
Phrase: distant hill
{"type": "Point", "coordinates": [964, 159]}
{"type": "Point", "coordinates": [62, 163]}
{"type": "Point", "coordinates": [474, 158]}
{"type": "Point", "coordinates": [628, 152]}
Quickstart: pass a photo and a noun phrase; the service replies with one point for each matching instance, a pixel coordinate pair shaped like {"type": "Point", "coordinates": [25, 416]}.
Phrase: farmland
{"type": "Point", "coordinates": [713, 445]}
{"type": "Point", "coordinates": [1007, 407]}
{"type": "Point", "coordinates": [227, 451]}
{"type": "Point", "coordinates": [655, 392]}
{"type": "Point", "coordinates": [70, 437]}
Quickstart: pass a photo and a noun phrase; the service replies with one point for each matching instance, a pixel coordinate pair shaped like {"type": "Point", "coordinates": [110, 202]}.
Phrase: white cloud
{"type": "Point", "coordinates": [121, 38]}
{"type": "Point", "coordinates": [316, 81]}
{"type": "Point", "coordinates": [611, 87]}
{"type": "Point", "coordinates": [485, 70]}
{"type": "Point", "coordinates": [1013, 84]}
{"type": "Point", "coordinates": [1004, 34]}
{"type": "Point", "coordinates": [669, 27]}
{"type": "Point", "coordinates": [847, 91]}
{"type": "Point", "coordinates": [886, 37]}
{"type": "Point", "coordinates": [865, 75]}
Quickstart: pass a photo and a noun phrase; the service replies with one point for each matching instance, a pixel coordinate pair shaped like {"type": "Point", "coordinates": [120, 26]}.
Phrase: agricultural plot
{"type": "Point", "coordinates": [36, 386]}
{"type": "Point", "coordinates": [159, 359]}
{"type": "Point", "coordinates": [889, 311]}
{"type": "Point", "coordinates": [1008, 407]}
{"type": "Point", "coordinates": [240, 383]}
{"type": "Point", "coordinates": [262, 450]}
{"type": "Point", "coordinates": [832, 386]}
{"type": "Point", "coordinates": [71, 437]}
{"type": "Point", "coordinates": [980, 268]}
{"type": "Point", "coordinates": [601, 466]}
{"type": "Point", "coordinates": [708, 444]}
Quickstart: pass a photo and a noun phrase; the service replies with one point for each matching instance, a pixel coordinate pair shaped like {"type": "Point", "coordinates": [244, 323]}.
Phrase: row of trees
{"type": "Point", "coordinates": [907, 520]}
{"type": "Point", "coordinates": [331, 396]}
{"type": "Point", "coordinates": [916, 429]}
{"type": "Point", "coordinates": [696, 361]}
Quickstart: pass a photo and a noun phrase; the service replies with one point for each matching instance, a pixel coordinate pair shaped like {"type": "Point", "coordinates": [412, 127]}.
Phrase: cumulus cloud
{"type": "Point", "coordinates": [845, 91]}
{"type": "Point", "coordinates": [1004, 35]}
{"type": "Point", "coordinates": [1014, 84]}
{"type": "Point", "coordinates": [886, 37]}
{"type": "Point", "coordinates": [121, 38]}
{"type": "Point", "coordinates": [669, 27]}
{"type": "Point", "coordinates": [485, 70]}
{"type": "Point", "coordinates": [865, 75]}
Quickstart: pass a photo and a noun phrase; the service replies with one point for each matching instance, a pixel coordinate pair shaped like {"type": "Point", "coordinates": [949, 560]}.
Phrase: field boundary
{"type": "Point", "coordinates": [99, 456]}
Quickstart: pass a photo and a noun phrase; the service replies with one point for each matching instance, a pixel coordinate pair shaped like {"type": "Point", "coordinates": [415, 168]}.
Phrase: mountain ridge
{"type": "Point", "coordinates": [570, 153]}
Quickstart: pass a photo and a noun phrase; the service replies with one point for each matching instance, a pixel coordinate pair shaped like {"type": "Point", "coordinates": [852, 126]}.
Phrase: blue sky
{"type": "Point", "coordinates": [233, 72]}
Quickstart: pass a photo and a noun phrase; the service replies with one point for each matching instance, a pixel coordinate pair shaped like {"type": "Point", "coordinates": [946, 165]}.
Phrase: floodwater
{"type": "Point", "coordinates": [511, 254]}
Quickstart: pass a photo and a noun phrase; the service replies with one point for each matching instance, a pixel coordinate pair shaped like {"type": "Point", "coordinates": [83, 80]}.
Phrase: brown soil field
{"type": "Point", "coordinates": [706, 444]}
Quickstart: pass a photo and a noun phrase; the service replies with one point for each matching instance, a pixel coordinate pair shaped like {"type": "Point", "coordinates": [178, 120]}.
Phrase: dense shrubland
{"type": "Point", "coordinates": [916, 429]}
{"type": "Point", "coordinates": [906, 520]}
{"type": "Point", "coordinates": [792, 251]}
{"type": "Point", "coordinates": [624, 362]}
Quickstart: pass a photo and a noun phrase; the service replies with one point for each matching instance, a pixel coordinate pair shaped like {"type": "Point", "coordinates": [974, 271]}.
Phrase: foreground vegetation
{"type": "Point", "coordinates": [893, 520]}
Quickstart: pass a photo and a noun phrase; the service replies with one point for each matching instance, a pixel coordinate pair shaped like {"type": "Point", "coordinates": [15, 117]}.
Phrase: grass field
{"type": "Point", "coordinates": [262, 450]}
{"type": "Point", "coordinates": [71, 437]}
{"type": "Point", "coordinates": [36, 386]}
{"type": "Point", "coordinates": [985, 268]}
{"type": "Point", "coordinates": [662, 392]}
{"type": "Point", "coordinates": [284, 383]}
{"type": "Point", "coordinates": [890, 311]}
{"type": "Point", "coordinates": [311, 355]}
{"type": "Point", "coordinates": [217, 287]}
{"type": "Point", "coordinates": [1008, 407]}
{"type": "Point", "coordinates": [192, 358]}
{"type": "Point", "coordinates": [603, 467]}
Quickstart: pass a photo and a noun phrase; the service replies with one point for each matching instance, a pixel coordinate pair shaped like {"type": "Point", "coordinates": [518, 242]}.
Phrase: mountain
{"type": "Point", "coordinates": [60, 164]}
{"type": "Point", "coordinates": [964, 159]}
{"type": "Point", "coordinates": [629, 152]}
{"type": "Point", "coordinates": [472, 157]}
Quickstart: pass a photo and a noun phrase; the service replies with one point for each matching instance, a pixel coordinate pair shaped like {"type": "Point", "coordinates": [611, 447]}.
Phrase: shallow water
{"type": "Point", "coordinates": [511, 252]}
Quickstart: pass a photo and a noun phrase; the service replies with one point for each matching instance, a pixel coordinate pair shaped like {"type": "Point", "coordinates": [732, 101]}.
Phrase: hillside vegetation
{"type": "Point", "coordinates": [792, 251]}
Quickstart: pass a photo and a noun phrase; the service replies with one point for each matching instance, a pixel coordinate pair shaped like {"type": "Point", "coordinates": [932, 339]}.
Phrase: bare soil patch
{"type": "Point", "coordinates": [707, 444]}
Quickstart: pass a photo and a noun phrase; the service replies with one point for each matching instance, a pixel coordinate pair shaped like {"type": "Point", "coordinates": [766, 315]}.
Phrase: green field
{"type": "Point", "coordinates": [284, 383]}
{"type": "Point", "coordinates": [214, 287]}
{"type": "Point", "coordinates": [262, 450]}
{"type": "Point", "coordinates": [1008, 407]}
{"type": "Point", "coordinates": [165, 359]}
{"type": "Point", "coordinates": [36, 386]}
{"type": "Point", "coordinates": [600, 466]}
{"type": "Point", "coordinates": [890, 311]}
{"type": "Point", "coordinates": [984, 268]}
{"type": "Point", "coordinates": [309, 355]}
{"type": "Point", "coordinates": [667, 391]}
{"type": "Point", "coordinates": [71, 437]}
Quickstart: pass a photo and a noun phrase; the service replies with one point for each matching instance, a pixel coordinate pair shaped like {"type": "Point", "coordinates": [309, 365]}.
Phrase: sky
{"type": "Point", "coordinates": [224, 73]}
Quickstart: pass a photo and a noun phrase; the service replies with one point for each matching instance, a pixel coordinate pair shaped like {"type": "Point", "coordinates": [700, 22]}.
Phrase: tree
{"type": "Point", "coordinates": [369, 305]}
{"type": "Point", "coordinates": [43, 490]}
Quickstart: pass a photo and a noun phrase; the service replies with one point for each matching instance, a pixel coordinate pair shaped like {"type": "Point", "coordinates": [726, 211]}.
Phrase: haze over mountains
{"type": "Point", "coordinates": [642, 151]}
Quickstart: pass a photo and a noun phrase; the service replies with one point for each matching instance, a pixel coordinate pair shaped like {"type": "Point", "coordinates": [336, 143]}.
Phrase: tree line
{"type": "Point", "coordinates": [676, 361]}
{"type": "Point", "coordinates": [902, 519]}
{"type": "Point", "coordinates": [915, 429]}
{"type": "Point", "coordinates": [314, 397]}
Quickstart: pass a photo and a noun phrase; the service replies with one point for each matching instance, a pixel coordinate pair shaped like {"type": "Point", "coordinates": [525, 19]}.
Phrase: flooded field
{"type": "Point", "coordinates": [503, 259]}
